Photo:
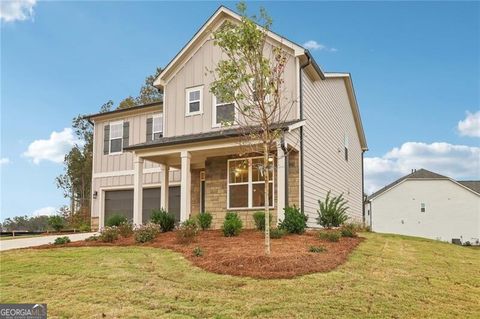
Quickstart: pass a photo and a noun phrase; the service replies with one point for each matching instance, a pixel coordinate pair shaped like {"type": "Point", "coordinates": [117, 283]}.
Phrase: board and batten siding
{"type": "Point", "coordinates": [328, 114]}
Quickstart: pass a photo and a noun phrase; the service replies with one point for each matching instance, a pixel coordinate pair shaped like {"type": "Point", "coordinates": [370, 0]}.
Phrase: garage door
{"type": "Point", "coordinates": [119, 202]}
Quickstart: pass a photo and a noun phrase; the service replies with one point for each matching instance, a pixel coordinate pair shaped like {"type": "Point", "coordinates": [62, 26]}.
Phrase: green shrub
{"type": "Point", "coordinates": [332, 236]}
{"type": "Point", "coordinates": [259, 219]}
{"type": "Point", "coordinates": [61, 240]}
{"type": "Point", "coordinates": [348, 230]}
{"type": "Point", "coordinates": [295, 220]}
{"type": "Point", "coordinates": [276, 233]}
{"type": "Point", "coordinates": [116, 220]}
{"type": "Point", "coordinates": [197, 252]}
{"type": "Point", "coordinates": [204, 220]}
{"type": "Point", "coordinates": [109, 234]}
{"type": "Point", "coordinates": [125, 229]}
{"type": "Point", "coordinates": [187, 231]}
{"type": "Point", "coordinates": [232, 225]}
{"type": "Point", "coordinates": [332, 212]}
{"type": "Point", "coordinates": [92, 238]}
{"type": "Point", "coordinates": [84, 227]}
{"type": "Point", "coordinates": [145, 233]}
{"type": "Point", "coordinates": [316, 249]}
{"type": "Point", "coordinates": [164, 219]}
{"type": "Point", "coordinates": [56, 222]}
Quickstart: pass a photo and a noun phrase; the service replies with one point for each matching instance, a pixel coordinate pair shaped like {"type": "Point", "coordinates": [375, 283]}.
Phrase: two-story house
{"type": "Point", "coordinates": [321, 147]}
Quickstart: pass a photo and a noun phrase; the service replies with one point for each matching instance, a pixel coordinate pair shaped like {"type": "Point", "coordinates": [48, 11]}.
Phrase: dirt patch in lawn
{"type": "Point", "coordinates": [244, 255]}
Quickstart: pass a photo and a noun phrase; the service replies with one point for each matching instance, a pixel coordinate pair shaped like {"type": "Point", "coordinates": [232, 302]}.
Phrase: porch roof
{"type": "Point", "coordinates": [213, 135]}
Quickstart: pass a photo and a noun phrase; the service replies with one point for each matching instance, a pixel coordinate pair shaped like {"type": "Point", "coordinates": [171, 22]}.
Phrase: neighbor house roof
{"type": "Point", "coordinates": [132, 109]}
{"type": "Point", "coordinates": [473, 185]}
{"type": "Point", "coordinates": [201, 137]}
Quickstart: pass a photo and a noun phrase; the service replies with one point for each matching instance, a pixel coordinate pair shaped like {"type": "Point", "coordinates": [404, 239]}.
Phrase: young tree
{"type": "Point", "coordinates": [252, 76]}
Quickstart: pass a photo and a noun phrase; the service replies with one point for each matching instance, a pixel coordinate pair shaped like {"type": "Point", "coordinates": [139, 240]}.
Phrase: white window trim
{"type": "Point", "coordinates": [250, 184]}
{"type": "Point", "coordinates": [110, 138]}
{"type": "Point", "coordinates": [187, 100]}
{"type": "Point", "coordinates": [156, 116]}
{"type": "Point", "coordinates": [214, 113]}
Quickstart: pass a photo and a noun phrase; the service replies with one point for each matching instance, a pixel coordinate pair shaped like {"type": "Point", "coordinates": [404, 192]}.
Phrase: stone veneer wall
{"type": "Point", "coordinates": [293, 179]}
{"type": "Point", "coordinates": [195, 192]}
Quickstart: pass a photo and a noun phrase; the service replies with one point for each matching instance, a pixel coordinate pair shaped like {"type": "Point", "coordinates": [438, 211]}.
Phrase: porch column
{"type": "Point", "coordinates": [165, 186]}
{"type": "Point", "coordinates": [185, 187]}
{"type": "Point", "coordinates": [137, 190]}
{"type": "Point", "coordinates": [281, 184]}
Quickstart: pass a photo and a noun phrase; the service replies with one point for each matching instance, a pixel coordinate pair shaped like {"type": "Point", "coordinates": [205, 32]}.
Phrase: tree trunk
{"type": "Point", "coordinates": [266, 193]}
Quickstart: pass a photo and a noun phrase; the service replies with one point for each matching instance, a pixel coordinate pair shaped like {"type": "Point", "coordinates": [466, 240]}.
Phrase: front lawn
{"type": "Point", "coordinates": [385, 277]}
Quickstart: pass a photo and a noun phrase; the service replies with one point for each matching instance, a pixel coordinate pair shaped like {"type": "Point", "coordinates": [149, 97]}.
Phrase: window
{"type": "Point", "coordinates": [116, 137]}
{"type": "Point", "coordinates": [223, 112]}
{"type": "Point", "coordinates": [246, 185]}
{"type": "Point", "coordinates": [194, 100]}
{"type": "Point", "coordinates": [345, 145]}
{"type": "Point", "coordinates": [422, 208]}
{"type": "Point", "coordinates": [157, 126]}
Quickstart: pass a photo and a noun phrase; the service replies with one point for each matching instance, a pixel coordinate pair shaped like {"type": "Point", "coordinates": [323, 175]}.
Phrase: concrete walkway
{"type": "Point", "coordinates": [38, 241]}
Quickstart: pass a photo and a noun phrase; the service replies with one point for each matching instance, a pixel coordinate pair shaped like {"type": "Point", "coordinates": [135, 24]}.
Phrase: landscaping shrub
{"type": "Point", "coordinates": [232, 225]}
{"type": "Point", "coordinates": [164, 219]}
{"type": "Point", "coordinates": [276, 233]}
{"type": "Point", "coordinates": [187, 231]}
{"type": "Point", "coordinates": [92, 238]}
{"type": "Point", "coordinates": [332, 236]}
{"type": "Point", "coordinates": [348, 230]}
{"type": "Point", "coordinates": [259, 219]}
{"type": "Point", "coordinates": [145, 233]}
{"type": "Point", "coordinates": [316, 249]}
{"type": "Point", "coordinates": [197, 252]}
{"type": "Point", "coordinates": [109, 234]}
{"type": "Point", "coordinates": [56, 222]}
{"type": "Point", "coordinates": [61, 240]}
{"type": "Point", "coordinates": [116, 220]}
{"type": "Point", "coordinates": [204, 220]}
{"type": "Point", "coordinates": [84, 227]}
{"type": "Point", "coordinates": [125, 229]}
{"type": "Point", "coordinates": [295, 220]}
{"type": "Point", "coordinates": [332, 212]}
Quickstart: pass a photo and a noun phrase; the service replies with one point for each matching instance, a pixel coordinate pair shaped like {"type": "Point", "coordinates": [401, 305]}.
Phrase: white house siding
{"type": "Point", "coordinates": [328, 114]}
{"type": "Point", "coordinates": [451, 211]}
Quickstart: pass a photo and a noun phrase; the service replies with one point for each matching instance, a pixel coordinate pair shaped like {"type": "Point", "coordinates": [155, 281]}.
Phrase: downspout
{"type": "Point", "coordinates": [302, 180]}
{"type": "Point", "coordinates": [364, 198]}
{"type": "Point", "coordinates": [285, 154]}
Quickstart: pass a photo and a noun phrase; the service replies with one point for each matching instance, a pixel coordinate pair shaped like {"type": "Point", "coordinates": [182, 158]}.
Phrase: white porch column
{"type": "Point", "coordinates": [281, 184]}
{"type": "Point", "coordinates": [165, 185]}
{"type": "Point", "coordinates": [137, 190]}
{"type": "Point", "coordinates": [185, 187]}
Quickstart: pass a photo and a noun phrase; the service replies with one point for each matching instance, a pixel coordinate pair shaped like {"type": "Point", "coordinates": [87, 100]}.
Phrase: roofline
{"type": "Point", "coordinates": [118, 111]}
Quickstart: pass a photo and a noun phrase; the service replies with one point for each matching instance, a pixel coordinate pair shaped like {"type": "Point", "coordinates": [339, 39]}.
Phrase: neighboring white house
{"type": "Point", "coordinates": [429, 205]}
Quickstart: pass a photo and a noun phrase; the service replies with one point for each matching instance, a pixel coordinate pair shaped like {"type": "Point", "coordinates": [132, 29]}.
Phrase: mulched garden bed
{"type": "Point", "coordinates": [244, 255]}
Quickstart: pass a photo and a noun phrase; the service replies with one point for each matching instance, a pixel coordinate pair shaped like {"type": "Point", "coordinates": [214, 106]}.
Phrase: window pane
{"type": "Point", "coordinates": [257, 170]}
{"type": "Point", "coordinates": [157, 124]}
{"type": "Point", "coordinates": [116, 145]}
{"type": "Point", "coordinates": [116, 131]}
{"type": "Point", "coordinates": [225, 113]}
{"type": "Point", "coordinates": [238, 196]}
{"type": "Point", "coordinates": [194, 107]}
{"type": "Point", "coordinates": [258, 199]}
{"type": "Point", "coordinates": [157, 136]}
{"type": "Point", "coordinates": [238, 171]}
{"type": "Point", "coordinates": [194, 95]}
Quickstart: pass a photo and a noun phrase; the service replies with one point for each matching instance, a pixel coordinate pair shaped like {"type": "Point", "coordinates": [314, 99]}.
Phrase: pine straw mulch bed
{"type": "Point", "coordinates": [244, 255]}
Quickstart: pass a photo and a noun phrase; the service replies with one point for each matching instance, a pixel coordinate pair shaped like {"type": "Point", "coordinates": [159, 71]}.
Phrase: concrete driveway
{"type": "Point", "coordinates": [38, 241]}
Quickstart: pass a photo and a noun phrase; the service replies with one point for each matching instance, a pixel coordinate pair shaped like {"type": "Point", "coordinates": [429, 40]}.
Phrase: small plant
{"type": "Point", "coordinates": [232, 225]}
{"type": "Point", "coordinates": [204, 220]}
{"type": "Point", "coordinates": [259, 219]}
{"type": "Point", "coordinates": [56, 222]}
{"type": "Point", "coordinates": [92, 238]}
{"type": "Point", "coordinates": [467, 243]}
{"type": "Point", "coordinates": [84, 227]}
{"type": "Point", "coordinates": [332, 212]}
{"type": "Point", "coordinates": [332, 236]}
{"type": "Point", "coordinates": [125, 229]}
{"type": "Point", "coordinates": [116, 220]}
{"type": "Point", "coordinates": [61, 240]}
{"type": "Point", "coordinates": [164, 219]}
{"type": "Point", "coordinates": [348, 230]}
{"type": "Point", "coordinates": [145, 233]}
{"type": "Point", "coordinates": [276, 233]}
{"type": "Point", "coordinates": [109, 234]}
{"type": "Point", "coordinates": [197, 252]}
{"type": "Point", "coordinates": [316, 249]}
{"type": "Point", "coordinates": [187, 231]}
{"type": "Point", "coordinates": [295, 220]}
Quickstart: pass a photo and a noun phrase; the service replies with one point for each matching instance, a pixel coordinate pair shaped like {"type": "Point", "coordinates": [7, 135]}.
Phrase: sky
{"type": "Point", "coordinates": [415, 67]}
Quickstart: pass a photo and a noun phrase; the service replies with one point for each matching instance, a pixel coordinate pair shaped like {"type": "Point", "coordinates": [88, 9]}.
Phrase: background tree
{"type": "Point", "coordinates": [251, 76]}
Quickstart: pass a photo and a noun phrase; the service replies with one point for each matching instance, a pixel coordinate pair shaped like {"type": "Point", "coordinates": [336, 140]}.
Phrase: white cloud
{"type": "Point", "coordinates": [45, 211]}
{"type": "Point", "coordinates": [314, 45]}
{"type": "Point", "coordinates": [4, 161]}
{"type": "Point", "coordinates": [16, 10]}
{"type": "Point", "coordinates": [455, 161]}
{"type": "Point", "coordinates": [470, 126]}
{"type": "Point", "coordinates": [53, 149]}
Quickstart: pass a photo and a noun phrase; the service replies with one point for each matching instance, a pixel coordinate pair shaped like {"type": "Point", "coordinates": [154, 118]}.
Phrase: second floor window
{"type": "Point", "coordinates": [194, 100]}
{"type": "Point", "coordinates": [116, 137]}
{"type": "Point", "coordinates": [223, 112]}
{"type": "Point", "coordinates": [157, 126]}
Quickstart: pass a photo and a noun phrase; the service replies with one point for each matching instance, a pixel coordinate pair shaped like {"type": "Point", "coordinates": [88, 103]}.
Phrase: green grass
{"type": "Point", "coordinates": [386, 277]}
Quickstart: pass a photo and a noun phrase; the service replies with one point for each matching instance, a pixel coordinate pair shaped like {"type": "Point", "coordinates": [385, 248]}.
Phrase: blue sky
{"type": "Point", "coordinates": [415, 68]}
